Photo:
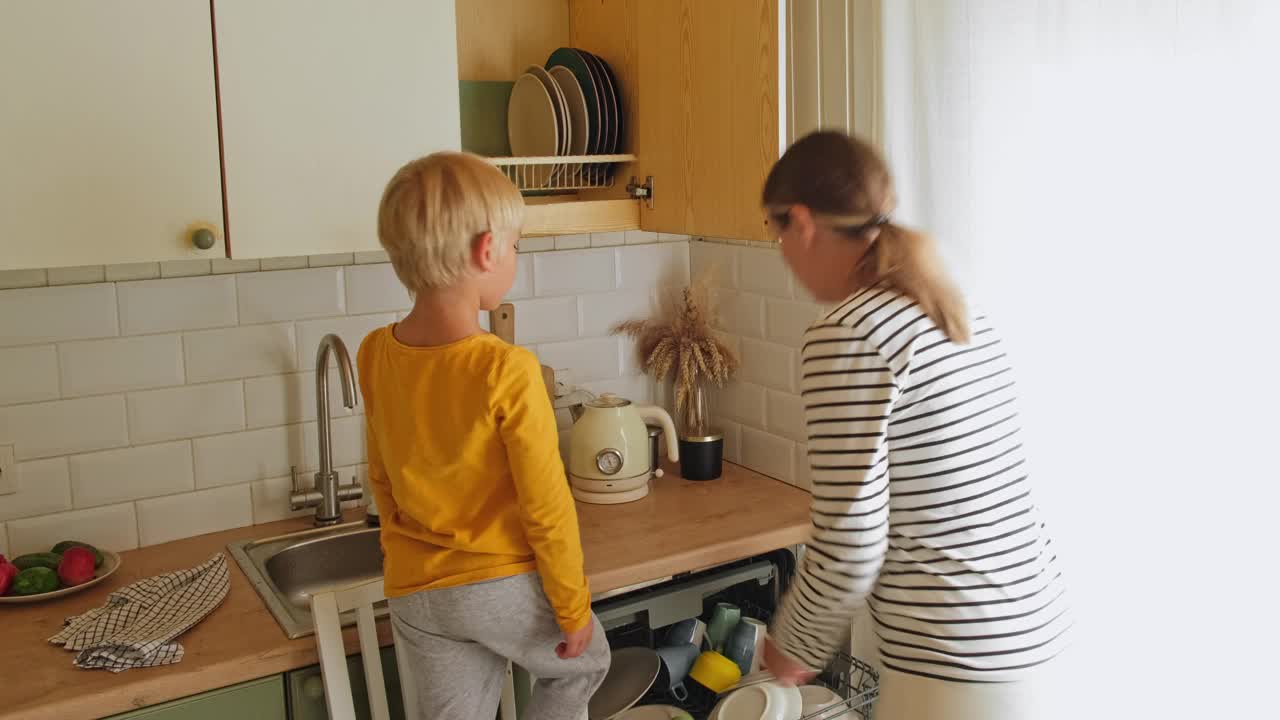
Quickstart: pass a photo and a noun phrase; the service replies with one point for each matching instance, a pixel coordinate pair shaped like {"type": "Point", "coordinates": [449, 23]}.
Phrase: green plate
{"type": "Point", "coordinates": [482, 107]}
{"type": "Point", "coordinates": [591, 91]}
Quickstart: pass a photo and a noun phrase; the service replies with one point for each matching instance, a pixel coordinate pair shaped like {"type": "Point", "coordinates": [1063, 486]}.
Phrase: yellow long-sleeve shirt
{"type": "Point", "coordinates": [465, 466]}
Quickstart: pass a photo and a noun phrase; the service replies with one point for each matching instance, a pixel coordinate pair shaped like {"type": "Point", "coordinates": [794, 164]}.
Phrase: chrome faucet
{"type": "Point", "coordinates": [328, 493]}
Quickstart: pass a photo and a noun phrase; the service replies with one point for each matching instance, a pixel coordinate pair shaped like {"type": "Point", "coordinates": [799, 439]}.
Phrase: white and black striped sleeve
{"type": "Point", "coordinates": [849, 390]}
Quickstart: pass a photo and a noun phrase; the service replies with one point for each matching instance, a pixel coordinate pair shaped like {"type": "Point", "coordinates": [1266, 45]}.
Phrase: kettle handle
{"type": "Point", "coordinates": [655, 415]}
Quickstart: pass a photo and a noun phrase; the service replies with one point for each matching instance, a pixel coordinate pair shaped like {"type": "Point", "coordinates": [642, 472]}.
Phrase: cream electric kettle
{"type": "Point", "coordinates": [609, 449]}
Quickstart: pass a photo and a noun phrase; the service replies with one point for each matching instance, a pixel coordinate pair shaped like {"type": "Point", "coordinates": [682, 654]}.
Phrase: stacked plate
{"type": "Point", "coordinates": [570, 106]}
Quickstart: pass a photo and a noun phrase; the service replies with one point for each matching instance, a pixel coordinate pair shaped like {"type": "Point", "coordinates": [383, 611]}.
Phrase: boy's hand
{"type": "Point", "coordinates": [575, 643]}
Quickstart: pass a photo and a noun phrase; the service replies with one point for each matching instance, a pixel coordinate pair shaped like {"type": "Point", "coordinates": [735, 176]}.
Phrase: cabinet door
{"type": "Point", "coordinates": [321, 102]}
{"type": "Point", "coordinates": [257, 700]}
{"type": "Point", "coordinates": [108, 132]}
{"type": "Point", "coordinates": [708, 126]}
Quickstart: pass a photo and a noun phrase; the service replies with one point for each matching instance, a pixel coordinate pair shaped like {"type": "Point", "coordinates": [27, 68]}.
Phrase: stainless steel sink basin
{"type": "Point", "coordinates": [288, 569]}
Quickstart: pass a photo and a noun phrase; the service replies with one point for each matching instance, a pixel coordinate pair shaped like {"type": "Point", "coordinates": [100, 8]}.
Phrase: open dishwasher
{"type": "Point", "coordinates": [642, 617]}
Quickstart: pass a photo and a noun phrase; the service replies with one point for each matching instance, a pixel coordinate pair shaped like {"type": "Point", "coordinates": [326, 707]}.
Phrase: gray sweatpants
{"type": "Point", "coordinates": [460, 639]}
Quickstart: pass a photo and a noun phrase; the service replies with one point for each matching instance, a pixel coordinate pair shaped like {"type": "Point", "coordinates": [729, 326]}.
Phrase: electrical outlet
{"type": "Point", "coordinates": [8, 471]}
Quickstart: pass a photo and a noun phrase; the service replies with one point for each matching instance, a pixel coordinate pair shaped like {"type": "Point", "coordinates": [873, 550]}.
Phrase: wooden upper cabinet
{"type": "Point", "coordinates": [108, 132]}
{"type": "Point", "coordinates": [321, 102]}
{"type": "Point", "coordinates": [702, 100]}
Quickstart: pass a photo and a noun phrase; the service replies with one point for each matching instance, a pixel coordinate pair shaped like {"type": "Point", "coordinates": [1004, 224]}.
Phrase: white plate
{"type": "Point", "coordinates": [653, 712]}
{"type": "Point", "coordinates": [110, 564]}
{"type": "Point", "coordinates": [531, 123]}
{"type": "Point", "coordinates": [577, 102]}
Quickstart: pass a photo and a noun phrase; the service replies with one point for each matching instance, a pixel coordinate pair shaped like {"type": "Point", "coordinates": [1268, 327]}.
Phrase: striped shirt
{"type": "Point", "coordinates": [922, 503]}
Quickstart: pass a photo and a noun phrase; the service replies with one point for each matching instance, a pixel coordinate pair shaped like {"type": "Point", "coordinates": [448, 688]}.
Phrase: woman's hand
{"type": "Point", "coordinates": [576, 642]}
{"type": "Point", "coordinates": [785, 669]}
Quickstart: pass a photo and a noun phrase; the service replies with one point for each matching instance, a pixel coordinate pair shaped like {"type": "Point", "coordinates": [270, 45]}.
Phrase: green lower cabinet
{"type": "Point", "coordinates": [305, 689]}
{"type": "Point", "coordinates": [260, 699]}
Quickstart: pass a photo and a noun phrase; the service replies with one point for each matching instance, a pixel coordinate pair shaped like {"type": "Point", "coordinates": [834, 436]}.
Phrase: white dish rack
{"type": "Point", "coordinates": [561, 173]}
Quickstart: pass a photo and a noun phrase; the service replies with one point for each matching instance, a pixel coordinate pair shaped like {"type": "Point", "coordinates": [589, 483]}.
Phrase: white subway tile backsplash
{"type": "Point", "coordinates": [116, 476]}
{"type": "Point", "coordinates": [225, 266]}
{"type": "Point", "coordinates": [244, 457]}
{"type": "Point", "coordinates": [186, 412]}
{"type": "Point", "coordinates": [114, 527]}
{"type": "Point", "coordinates": [573, 273]}
{"type": "Point", "coordinates": [523, 285]}
{"type": "Point", "coordinates": [637, 388]}
{"type": "Point", "coordinates": [598, 359]}
{"type": "Point", "coordinates": [742, 402]}
{"type": "Point", "coordinates": [352, 329]}
{"type": "Point", "coordinates": [787, 320]}
{"type": "Point", "coordinates": [649, 266]}
{"type": "Point", "coordinates": [290, 295]}
{"type": "Point", "coordinates": [42, 488]}
{"type": "Point", "coordinates": [375, 288]}
{"type": "Point", "coordinates": [81, 275]}
{"type": "Point", "coordinates": [671, 237]}
{"type": "Point", "coordinates": [205, 511]}
{"type": "Point", "coordinates": [156, 306]}
{"type": "Point", "coordinates": [763, 271]}
{"type": "Point", "coordinates": [741, 313]}
{"type": "Point", "coordinates": [639, 237]}
{"type": "Point", "coordinates": [784, 415]}
{"type": "Point", "coordinates": [537, 244]}
{"type": "Point", "coordinates": [601, 312]}
{"type": "Point", "coordinates": [185, 268]}
{"type": "Point", "coordinates": [802, 476]}
{"type": "Point", "coordinates": [573, 242]}
{"type": "Point", "coordinates": [546, 320]}
{"type": "Point", "coordinates": [332, 260]}
{"type": "Point", "coordinates": [132, 271]}
{"type": "Point", "coordinates": [4, 539]}
{"type": "Point", "coordinates": [372, 257]}
{"type": "Point", "coordinates": [769, 364]}
{"type": "Point", "coordinates": [296, 262]}
{"type": "Point", "coordinates": [238, 352]}
{"type": "Point", "coordinates": [608, 239]}
{"type": "Point", "coordinates": [94, 367]}
{"type": "Point", "coordinates": [720, 260]}
{"type": "Point", "coordinates": [732, 441]}
{"type": "Point", "coordinates": [29, 374]}
{"type": "Point", "coordinates": [347, 444]}
{"type": "Point", "coordinates": [768, 454]}
{"type": "Point", "coordinates": [283, 399]}
{"type": "Point", "coordinates": [52, 314]}
{"type": "Point", "coordinates": [10, 279]}
{"type": "Point", "coordinates": [63, 427]}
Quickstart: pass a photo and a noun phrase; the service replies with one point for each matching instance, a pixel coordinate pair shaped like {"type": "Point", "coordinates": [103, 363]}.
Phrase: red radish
{"type": "Point", "coordinates": [8, 571]}
{"type": "Point", "coordinates": [76, 566]}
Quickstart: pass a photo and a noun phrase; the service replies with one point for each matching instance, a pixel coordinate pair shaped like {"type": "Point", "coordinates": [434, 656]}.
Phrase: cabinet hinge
{"type": "Point", "coordinates": [642, 192]}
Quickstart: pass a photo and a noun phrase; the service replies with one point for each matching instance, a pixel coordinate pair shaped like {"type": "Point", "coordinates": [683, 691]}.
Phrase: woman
{"type": "Point", "coordinates": [922, 502]}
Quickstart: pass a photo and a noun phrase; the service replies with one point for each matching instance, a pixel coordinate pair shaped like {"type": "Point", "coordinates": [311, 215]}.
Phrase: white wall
{"type": "Point", "coordinates": [151, 402]}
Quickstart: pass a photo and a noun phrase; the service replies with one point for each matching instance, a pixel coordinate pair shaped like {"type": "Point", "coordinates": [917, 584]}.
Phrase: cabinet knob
{"type": "Point", "coordinates": [203, 238]}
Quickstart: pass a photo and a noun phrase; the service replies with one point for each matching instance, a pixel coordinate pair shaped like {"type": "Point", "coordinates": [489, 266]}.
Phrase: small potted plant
{"type": "Point", "coordinates": [680, 345]}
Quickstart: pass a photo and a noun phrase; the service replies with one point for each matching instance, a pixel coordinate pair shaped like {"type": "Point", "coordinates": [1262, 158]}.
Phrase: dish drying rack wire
{"type": "Point", "coordinates": [561, 173]}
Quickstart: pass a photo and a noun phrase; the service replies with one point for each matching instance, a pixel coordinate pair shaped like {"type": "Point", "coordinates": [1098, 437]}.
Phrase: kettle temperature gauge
{"type": "Point", "coordinates": [609, 461]}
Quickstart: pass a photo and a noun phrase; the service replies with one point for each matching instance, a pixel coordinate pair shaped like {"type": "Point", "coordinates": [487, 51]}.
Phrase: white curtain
{"type": "Point", "coordinates": [1101, 176]}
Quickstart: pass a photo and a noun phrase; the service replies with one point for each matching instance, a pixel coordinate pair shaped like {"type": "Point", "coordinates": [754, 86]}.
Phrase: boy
{"type": "Point", "coordinates": [483, 561]}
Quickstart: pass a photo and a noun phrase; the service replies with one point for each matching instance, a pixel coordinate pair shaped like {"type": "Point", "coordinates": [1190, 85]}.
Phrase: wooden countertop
{"type": "Point", "coordinates": [681, 526]}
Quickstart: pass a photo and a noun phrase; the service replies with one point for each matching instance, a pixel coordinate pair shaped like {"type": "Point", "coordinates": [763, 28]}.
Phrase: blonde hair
{"type": "Point", "coordinates": [846, 184]}
{"type": "Point", "coordinates": [432, 211]}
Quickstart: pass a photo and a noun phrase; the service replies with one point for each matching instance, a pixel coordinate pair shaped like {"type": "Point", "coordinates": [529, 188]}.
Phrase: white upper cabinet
{"type": "Point", "coordinates": [321, 102]}
{"type": "Point", "coordinates": [108, 132]}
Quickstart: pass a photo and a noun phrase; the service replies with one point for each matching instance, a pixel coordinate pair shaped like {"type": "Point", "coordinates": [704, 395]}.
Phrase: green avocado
{"type": "Point", "coordinates": [65, 545]}
{"type": "Point", "coordinates": [34, 560]}
{"type": "Point", "coordinates": [35, 581]}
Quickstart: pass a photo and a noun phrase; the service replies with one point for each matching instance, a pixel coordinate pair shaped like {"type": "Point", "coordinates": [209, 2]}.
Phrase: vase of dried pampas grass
{"type": "Point", "coordinates": [680, 344]}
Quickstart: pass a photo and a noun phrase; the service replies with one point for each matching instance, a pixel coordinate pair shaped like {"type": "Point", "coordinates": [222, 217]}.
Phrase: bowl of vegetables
{"type": "Point", "coordinates": [68, 567]}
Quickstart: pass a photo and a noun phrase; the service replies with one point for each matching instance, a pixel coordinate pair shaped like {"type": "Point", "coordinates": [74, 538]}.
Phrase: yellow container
{"type": "Point", "coordinates": [715, 672]}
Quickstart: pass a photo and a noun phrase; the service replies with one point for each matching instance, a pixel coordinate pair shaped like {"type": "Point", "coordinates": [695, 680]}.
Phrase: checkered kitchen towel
{"type": "Point", "coordinates": [137, 626]}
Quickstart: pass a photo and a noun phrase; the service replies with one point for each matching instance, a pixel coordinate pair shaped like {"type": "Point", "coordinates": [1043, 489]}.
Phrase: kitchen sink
{"type": "Point", "coordinates": [287, 570]}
